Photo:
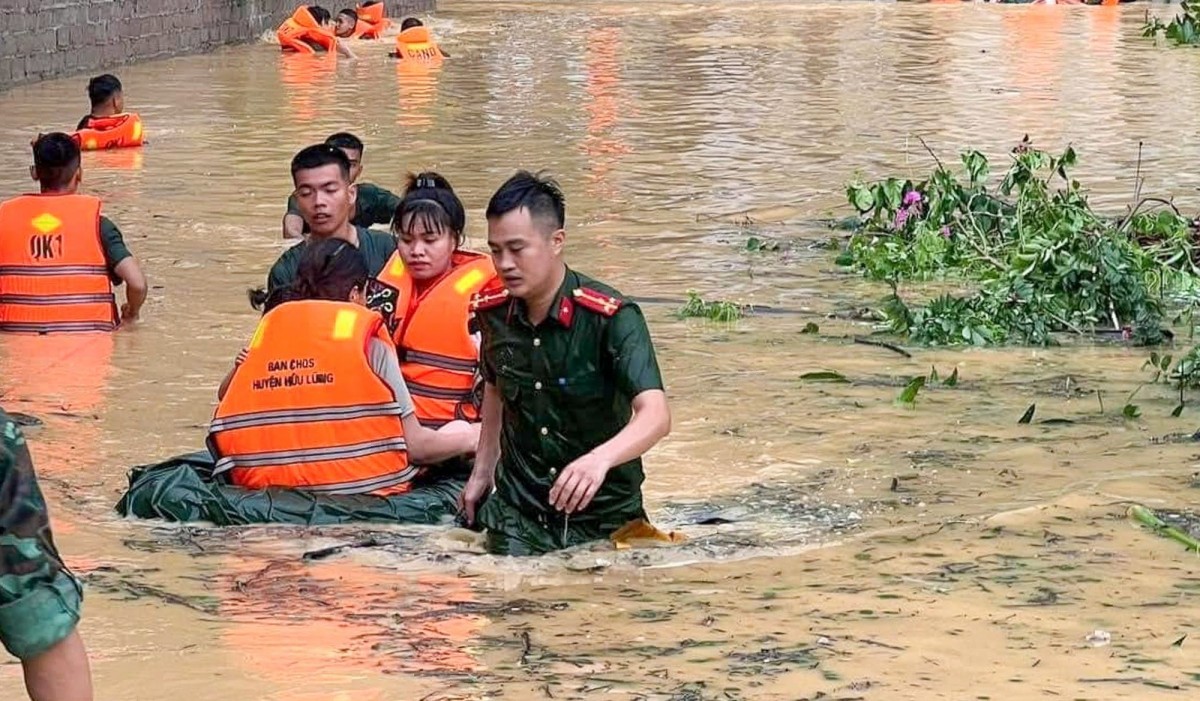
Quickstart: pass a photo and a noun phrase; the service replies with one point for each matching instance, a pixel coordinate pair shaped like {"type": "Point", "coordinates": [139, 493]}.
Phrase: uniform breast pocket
{"type": "Point", "coordinates": [583, 396]}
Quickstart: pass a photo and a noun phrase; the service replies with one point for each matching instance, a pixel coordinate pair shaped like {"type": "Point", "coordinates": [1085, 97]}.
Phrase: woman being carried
{"type": "Point", "coordinates": [432, 280]}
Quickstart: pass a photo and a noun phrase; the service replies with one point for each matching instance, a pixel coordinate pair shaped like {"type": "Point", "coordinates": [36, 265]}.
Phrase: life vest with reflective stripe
{"type": "Point", "coordinates": [300, 32]}
{"type": "Point", "coordinates": [438, 355]}
{"type": "Point", "coordinates": [53, 274]}
{"type": "Point", "coordinates": [117, 131]}
{"type": "Point", "coordinates": [417, 44]}
{"type": "Point", "coordinates": [305, 410]}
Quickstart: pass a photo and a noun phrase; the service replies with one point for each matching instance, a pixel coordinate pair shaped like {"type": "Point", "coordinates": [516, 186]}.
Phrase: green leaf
{"type": "Point", "coordinates": [1131, 411]}
{"type": "Point", "coordinates": [952, 381]}
{"type": "Point", "coordinates": [1028, 415]}
{"type": "Point", "coordinates": [1178, 410]}
{"type": "Point", "coordinates": [909, 395]}
{"type": "Point", "coordinates": [860, 198]}
{"type": "Point", "coordinates": [823, 376]}
{"type": "Point", "coordinates": [933, 374]}
{"type": "Point", "coordinates": [811, 327]}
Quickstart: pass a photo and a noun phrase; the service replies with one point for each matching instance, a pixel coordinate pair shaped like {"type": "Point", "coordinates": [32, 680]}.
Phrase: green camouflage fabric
{"type": "Point", "coordinates": [39, 598]}
{"type": "Point", "coordinates": [567, 386]}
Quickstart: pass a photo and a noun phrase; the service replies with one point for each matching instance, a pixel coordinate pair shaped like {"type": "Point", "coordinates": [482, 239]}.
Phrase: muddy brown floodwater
{"type": "Point", "coordinates": [839, 546]}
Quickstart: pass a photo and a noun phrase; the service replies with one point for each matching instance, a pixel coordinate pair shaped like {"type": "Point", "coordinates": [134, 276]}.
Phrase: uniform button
{"type": "Point", "coordinates": [545, 431]}
{"type": "Point", "coordinates": [553, 471]}
{"type": "Point", "coordinates": [537, 385]}
{"type": "Point", "coordinates": [537, 342]}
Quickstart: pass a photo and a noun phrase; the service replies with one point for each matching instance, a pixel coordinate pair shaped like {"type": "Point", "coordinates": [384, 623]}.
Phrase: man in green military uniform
{"type": "Point", "coordinates": [374, 204]}
{"type": "Point", "coordinates": [573, 396]}
{"type": "Point", "coordinates": [326, 195]}
{"type": "Point", "coordinates": [39, 599]}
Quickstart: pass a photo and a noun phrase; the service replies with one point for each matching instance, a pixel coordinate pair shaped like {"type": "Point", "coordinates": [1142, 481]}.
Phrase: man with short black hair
{"type": "Point", "coordinates": [326, 196]}
{"type": "Point", "coordinates": [107, 98]}
{"type": "Point", "coordinates": [573, 396]}
{"type": "Point", "coordinates": [346, 26]}
{"type": "Point", "coordinates": [59, 257]}
{"type": "Point", "coordinates": [374, 205]}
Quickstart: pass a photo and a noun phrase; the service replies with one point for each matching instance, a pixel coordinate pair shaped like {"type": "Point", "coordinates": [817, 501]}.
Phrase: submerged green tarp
{"type": "Point", "coordinates": [182, 489]}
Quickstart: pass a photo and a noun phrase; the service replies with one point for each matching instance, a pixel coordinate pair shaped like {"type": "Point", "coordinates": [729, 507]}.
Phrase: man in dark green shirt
{"type": "Point", "coordinates": [573, 395]}
{"type": "Point", "coordinates": [326, 197]}
{"type": "Point", "coordinates": [39, 599]}
{"type": "Point", "coordinates": [374, 205]}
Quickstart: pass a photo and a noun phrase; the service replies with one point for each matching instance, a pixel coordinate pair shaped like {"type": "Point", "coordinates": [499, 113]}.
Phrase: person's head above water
{"type": "Point", "coordinates": [324, 192]}
{"type": "Point", "coordinates": [410, 22]}
{"type": "Point", "coordinates": [320, 14]}
{"type": "Point", "coordinates": [56, 163]}
{"type": "Point", "coordinates": [329, 269]}
{"type": "Point", "coordinates": [347, 22]}
{"type": "Point", "coordinates": [429, 226]}
{"type": "Point", "coordinates": [106, 95]}
{"type": "Point", "coordinates": [353, 147]}
{"type": "Point", "coordinates": [525, 234]}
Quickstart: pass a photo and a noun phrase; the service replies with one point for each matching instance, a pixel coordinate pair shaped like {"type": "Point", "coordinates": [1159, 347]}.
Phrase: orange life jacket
{"type": "Point", "coordinates": [438, 356]}
{"type": "Point", "coordinates": [53, 274]}
{"type": "Point", "coordinates": [305, 409]}
{"type": "Point", "coordinates": [373, 14]}
{"type": "Point", "coordinates": [366, 30]}
{"type": "Point", "coordinates": [300, 32]}
{"type": "Point", "coordinates": [117, 131]}
{"type": "Point", "coordinates": [417, 44]}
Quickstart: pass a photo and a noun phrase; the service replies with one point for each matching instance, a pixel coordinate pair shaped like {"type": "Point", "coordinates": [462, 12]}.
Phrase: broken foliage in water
{"type": "Point", "coordinates": [715, 310]}
{"type": "Point", "coordinates": [1038, 259]}
{"type": "Point", "coordinates": [1183, 30]}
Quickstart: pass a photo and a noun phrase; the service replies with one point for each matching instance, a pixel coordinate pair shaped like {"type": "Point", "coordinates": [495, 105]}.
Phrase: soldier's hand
{"type": "Point", "coordinates": [477, 488]}
{"type": "Point", "coordinates": [578, 484]}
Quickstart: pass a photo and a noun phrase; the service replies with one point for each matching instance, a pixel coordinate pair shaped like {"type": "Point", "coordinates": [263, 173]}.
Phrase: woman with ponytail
{"type": "Point", "coordinates": [317, 401]}
{"type": "Point", "coordinates": [434, 279]}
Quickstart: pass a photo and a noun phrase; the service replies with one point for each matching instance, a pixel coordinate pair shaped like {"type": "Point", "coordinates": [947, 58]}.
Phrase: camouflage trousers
{"type": "Point", "coordinates": [39, 599]}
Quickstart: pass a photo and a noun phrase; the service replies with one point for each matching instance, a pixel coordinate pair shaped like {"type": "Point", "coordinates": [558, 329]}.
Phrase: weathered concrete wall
{"type": "Point", "coordinates": [42, 39]}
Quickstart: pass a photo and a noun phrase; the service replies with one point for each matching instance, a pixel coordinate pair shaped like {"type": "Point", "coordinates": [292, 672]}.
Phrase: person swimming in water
{"type": "Point", "coordinates": [415, 43]}
{"type": "Point", "coordinates": [309, 29]}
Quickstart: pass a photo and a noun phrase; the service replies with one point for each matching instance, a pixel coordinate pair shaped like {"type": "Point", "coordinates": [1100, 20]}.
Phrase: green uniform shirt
{"type": "Point", "coordinates": [115, 249]}
{"type": "Point", "coordinates": [374, 205]}
{"type": "Point", "coordinates": [376, 247]}
{"type": "Point", "coordinates": [39, 599]}
{"type": "Point", "coordinates": [567, 385]}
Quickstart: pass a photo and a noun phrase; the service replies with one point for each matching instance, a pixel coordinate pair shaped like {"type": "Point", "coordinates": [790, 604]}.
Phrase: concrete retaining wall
{"type": "Point", "coordinates": [42, 39]}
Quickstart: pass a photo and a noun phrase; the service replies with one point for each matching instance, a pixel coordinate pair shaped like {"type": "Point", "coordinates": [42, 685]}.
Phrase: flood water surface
{"type": "Point", "coordinates": [838, 544]}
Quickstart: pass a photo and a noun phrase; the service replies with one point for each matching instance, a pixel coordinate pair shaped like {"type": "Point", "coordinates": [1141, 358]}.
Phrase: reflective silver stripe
{"type": "Point", "coordinates": [287, 416]}
{"type": "Point", "coordinates": [56, 326]}
{"type": "Point", "coordinates": [52, 299]}
{"type": "Point", "coordinates": [439, 361]}
{"type": "Point", "coordinates": [53, 270]}
{"type": "Point", "coordinates": [284, 458]}
{"type": "Point", "coordinates": [366, 485]}
{"type": "Point", "coordinates": [419, 390]}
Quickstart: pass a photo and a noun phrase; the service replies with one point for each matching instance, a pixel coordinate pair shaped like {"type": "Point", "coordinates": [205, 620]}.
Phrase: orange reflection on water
{"type": "Point", "coordinates": [604, 107]}
{"type": "Point", "coordinates": [302, 76]}
{"type": "Point", "coordinates": [416, 84]}
{"type": "Point", "coordinates": [345, 620]}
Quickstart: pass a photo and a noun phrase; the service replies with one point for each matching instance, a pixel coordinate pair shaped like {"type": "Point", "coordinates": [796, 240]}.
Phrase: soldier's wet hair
{"type": "Point", "coordinates": [410, 22]}
{"type": "Point", "coordinates": [319, 156]}
{"type": "Point", "coordinates": [320, 14]}
{"type": "Point", "coordinates": [55, 160]}
{"type": "Point", "coordinates": [535, 192]}
{"type": "Point", "coordinates": [430, 202]}
{"type": "Point", "coordinates": [346, 140]}
{"type": "Point", "coordinates": [101, 89]}
{"type": "Point", "coordinates": [349, 13]}
{"type": "Point", "coordinates": [329, 269]}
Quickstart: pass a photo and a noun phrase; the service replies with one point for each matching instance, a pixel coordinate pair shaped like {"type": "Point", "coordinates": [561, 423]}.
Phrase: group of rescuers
{"type": "Point", "coordinates": [383, 360]}
{"type": "Point", "coordinates": [312, 28]}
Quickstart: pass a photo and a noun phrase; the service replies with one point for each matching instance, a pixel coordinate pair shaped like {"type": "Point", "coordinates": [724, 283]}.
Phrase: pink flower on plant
{"type": "Point", "coordinates": [912, 197]}
{"type": "Point", "coordinates": [945, 232]}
